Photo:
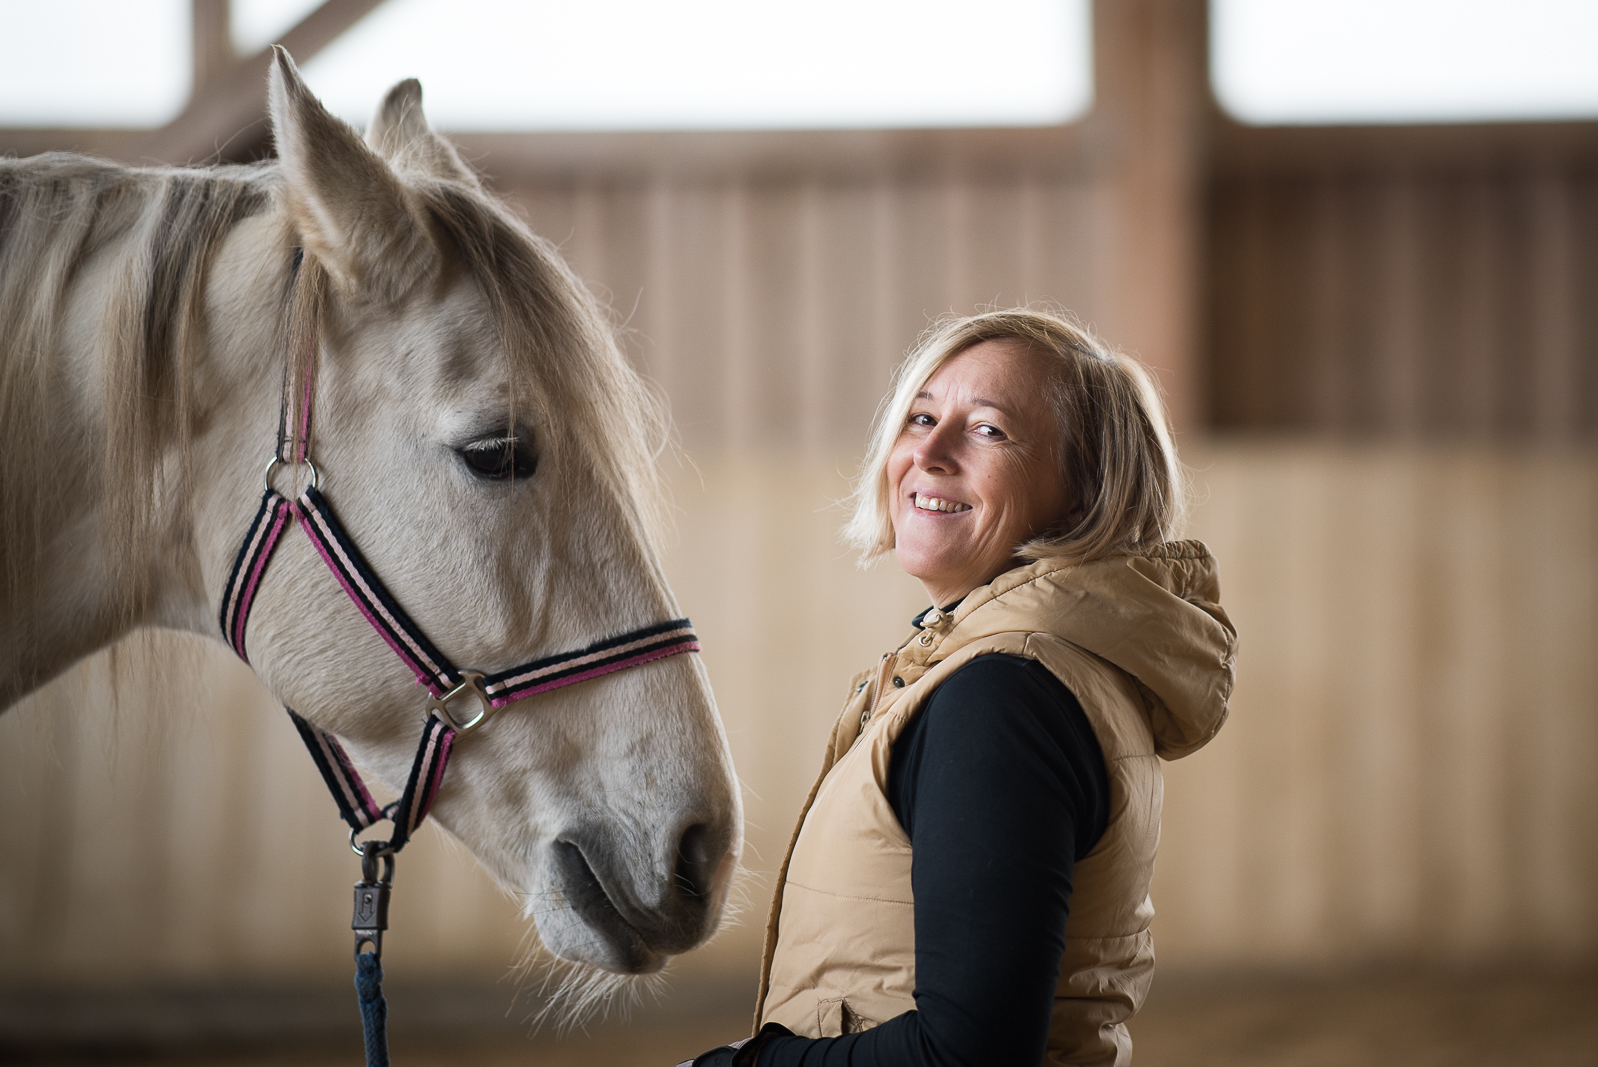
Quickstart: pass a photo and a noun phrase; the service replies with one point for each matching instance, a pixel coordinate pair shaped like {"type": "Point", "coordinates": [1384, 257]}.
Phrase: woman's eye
{"type": "Point", "coordinates": [989, 430]}
{"type": "Point", "coordinates": [921, 418]}
{"type": "Point", "coordinates": [500, 459]}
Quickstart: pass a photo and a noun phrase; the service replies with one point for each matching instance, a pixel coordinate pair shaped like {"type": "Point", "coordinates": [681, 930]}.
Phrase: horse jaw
{"type": "Point", "coordinates": [611, 810]}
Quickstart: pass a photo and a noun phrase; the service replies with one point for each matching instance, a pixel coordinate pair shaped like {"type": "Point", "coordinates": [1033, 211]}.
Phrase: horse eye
{"type": "Point", "coordinates": [500, 459]}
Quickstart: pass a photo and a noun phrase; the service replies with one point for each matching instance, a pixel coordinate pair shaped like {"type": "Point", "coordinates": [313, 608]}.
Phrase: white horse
{"type": "Point", "coordinates": [486, 445]}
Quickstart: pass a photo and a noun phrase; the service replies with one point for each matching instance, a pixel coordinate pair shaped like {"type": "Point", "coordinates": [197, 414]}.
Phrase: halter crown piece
{"type": "Point", "coordinates": [445, 682]}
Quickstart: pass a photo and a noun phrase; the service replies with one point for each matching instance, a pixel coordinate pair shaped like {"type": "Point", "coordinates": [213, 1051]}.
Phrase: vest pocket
{"type": "Point", "coordinates": [835, 1018]}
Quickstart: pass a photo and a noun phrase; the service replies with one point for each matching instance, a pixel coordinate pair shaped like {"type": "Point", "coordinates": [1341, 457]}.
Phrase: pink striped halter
{"type": "Point", "coordinates": [445, 682]}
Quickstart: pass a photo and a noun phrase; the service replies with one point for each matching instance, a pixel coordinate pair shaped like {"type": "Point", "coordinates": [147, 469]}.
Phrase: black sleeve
{"type": "Point", "coordinates": [1001, 786]}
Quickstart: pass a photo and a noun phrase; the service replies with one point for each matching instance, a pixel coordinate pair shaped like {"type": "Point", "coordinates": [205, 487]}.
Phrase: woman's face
{"type": "Point", "coordinates": [975, 471]}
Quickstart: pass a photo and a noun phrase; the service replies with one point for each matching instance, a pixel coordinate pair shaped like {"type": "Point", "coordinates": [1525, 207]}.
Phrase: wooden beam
{"type": "Point", "coordinates": [1153, 109]}
{"type": "Point", "coordinates": [1353, 150]}
{"type": "Point", "coordinates": [757, 156]}
{"type": "Point", "coordinates": [214, 56]}
{"type": "Point", "coordinates": [226, 116]}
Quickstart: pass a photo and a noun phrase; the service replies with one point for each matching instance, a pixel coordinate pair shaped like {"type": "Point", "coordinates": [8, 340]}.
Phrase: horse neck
{"type": "Point", "coordinates": [98, 529]}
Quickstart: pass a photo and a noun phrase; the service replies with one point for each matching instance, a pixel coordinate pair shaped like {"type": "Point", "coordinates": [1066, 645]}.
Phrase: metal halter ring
{"type": "Point", "coordinates": [359, 848]}
{"type": "Point", "coordinates": [471, 682]}
{"type": "Point", "coordinates": [276, 461]}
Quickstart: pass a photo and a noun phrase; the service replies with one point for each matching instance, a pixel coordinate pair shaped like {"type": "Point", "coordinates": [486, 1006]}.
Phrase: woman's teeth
{"type": "Point", "coordinates": [932, 503]}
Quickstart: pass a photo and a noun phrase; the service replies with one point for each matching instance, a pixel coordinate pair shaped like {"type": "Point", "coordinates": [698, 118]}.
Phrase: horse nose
{"type": "Point", "coordinates": [698, 861]}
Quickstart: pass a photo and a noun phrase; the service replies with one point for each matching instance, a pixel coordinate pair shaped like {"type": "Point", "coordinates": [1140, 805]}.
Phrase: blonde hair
{"type": "Point", "coordinates": [1116, 458]}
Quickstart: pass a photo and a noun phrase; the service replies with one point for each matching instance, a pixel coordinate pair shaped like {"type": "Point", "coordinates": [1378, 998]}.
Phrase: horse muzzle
{"type": "Point", "coordinates": [642, 918]}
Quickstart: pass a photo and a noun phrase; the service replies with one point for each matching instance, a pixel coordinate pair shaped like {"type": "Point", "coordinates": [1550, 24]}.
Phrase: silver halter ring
{"type": "Point", "coordinates": [382, 851]}
{"type": "Point", "coordinates": [275, 462]}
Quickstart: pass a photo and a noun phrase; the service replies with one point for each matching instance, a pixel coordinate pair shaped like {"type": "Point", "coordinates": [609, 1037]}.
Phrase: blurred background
{"type": "Point", "coordinates": [1357, 239]}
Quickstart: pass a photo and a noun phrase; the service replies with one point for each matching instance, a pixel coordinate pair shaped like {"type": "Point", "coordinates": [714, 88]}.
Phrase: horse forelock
{"type": "Point", "coordinates": [561, 346]}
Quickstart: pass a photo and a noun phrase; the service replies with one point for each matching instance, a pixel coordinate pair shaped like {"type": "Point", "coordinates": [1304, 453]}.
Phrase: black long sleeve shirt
{"type": "Point", "coordinates": [1001, 786]}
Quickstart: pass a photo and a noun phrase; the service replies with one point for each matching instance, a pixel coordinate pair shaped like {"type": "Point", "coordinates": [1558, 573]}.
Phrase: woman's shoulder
{"type": "Point", "coordinates": [1000, 724]}
{"type": "Point", "coordinates": [995, 678]}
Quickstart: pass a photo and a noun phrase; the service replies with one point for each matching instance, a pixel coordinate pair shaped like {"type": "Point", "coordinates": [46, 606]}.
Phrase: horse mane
{"type": "Point", "coordinates": [59, 214]}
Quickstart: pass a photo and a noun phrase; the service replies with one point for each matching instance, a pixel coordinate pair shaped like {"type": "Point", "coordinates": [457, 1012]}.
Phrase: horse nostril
{"type": "Point", "coordinates": [696, 867]}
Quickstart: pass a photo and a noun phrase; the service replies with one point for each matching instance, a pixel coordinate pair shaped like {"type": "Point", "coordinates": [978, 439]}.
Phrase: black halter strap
{"type": "Point", "coordinates": [445, 682]}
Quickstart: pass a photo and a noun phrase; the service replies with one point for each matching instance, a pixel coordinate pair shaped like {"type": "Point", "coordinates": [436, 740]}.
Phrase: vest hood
{"type": "Point", "coordinates": [1155, 615]}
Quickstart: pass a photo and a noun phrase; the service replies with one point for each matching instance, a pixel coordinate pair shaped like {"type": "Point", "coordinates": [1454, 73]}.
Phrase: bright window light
{"type": "Point", "coordinates": [94, 63]}
{"type": "Point", "coordinates": [1304, 62]}
{"type": "Point", "coordinates": [258, 23]}
{"type": "Point", "coordinates": [718, 64]}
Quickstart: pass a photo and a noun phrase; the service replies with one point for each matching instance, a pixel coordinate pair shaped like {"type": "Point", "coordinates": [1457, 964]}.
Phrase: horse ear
{"type": "Point", "coordinates": [352, 211]}
{"type": "Point", "coordinates": [400, 134]}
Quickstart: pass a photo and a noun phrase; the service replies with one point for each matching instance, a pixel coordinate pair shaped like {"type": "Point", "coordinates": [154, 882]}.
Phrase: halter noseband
{"type": "Point", "coordinates": [444, 681]}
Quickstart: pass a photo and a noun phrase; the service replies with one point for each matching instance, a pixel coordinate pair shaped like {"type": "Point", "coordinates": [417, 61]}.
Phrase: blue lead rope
{"type": "Point", "coordinates": [374, 1009]}
{"type": "Point", "coordinates": [369, 921]}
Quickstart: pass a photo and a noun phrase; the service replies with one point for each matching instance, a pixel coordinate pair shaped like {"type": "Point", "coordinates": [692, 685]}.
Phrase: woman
{"type": "Point", "coordinates": [969, 880]}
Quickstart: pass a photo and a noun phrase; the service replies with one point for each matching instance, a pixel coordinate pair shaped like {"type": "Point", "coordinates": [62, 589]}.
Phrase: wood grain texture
{"type": "Point", "coordinates": [1404, 302]}
{"type": "Point", "coordinates": [1407, 776]}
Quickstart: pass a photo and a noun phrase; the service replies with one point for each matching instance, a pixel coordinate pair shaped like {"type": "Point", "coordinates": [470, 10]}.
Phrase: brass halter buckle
{"type": "Point", "coordinates": [471, 682]}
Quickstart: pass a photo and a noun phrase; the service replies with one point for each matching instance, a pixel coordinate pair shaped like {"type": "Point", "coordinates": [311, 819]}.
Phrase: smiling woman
{"type": "Point", "coordinates": [969, 881]}
{"type": "Point", "coordinates": [1118, 477]}
{"type": "Point", "coordinates": [971, 474]}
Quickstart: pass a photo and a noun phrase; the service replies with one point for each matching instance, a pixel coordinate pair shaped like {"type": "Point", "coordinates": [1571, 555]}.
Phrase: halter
{"type": "Point", "coordinates": [444, 682]}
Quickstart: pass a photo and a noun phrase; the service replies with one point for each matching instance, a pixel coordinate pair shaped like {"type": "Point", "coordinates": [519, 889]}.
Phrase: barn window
{"type": "Point", "coordinates": [719, 64]}
{"type": "Point", "coordinates": [1294, 62]}
{"type": "Point", "coordinates": [90, 63]}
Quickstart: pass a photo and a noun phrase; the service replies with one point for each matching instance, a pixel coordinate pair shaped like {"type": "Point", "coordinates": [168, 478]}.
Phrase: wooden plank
{"type": "Point", "coordinates": [779, 156]}
{"type": "Point", "coordinates": [1396, 386]}
{"type": "Point", "coordinates": [1555, 371]}
{"type": "Point", "coordinates": [1377, 546]}
{"type": "Point", "coordinates": [1552, 740]}
{"type": "Point", "coordinates": [1327, 396]}
{"type": "Point", "coordinates": [1265, 150]}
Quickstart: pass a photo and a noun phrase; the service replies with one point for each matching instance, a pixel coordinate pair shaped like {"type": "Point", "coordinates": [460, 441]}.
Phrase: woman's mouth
{"type": "Point", "coordinates": [934, 503]}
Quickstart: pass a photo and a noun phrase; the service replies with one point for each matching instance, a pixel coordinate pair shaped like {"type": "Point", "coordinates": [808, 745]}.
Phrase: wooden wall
{"type": "Point", "coordinates": [1409, 774]}
{"type": "Point", "coordinates": [1406, 283]}
{"type": "Point", "coordinates": [774, 311]}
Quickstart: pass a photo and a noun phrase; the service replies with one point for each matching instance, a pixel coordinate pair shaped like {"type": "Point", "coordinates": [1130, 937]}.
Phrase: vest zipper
{"type": "Point", "coordinates": [889, 659]}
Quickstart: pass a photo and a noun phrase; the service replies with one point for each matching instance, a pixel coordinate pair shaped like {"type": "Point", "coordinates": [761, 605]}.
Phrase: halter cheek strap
{"type": "Point", "coordinates": [433, 670]}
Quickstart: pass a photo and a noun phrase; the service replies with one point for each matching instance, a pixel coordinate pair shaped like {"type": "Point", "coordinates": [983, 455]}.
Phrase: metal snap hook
{"type": "Point", "coordinates": [370, 916]}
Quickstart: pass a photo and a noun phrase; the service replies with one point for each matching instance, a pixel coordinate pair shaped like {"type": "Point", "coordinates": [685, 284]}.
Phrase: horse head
{"type": "Point", "coordinates": [492, 454]}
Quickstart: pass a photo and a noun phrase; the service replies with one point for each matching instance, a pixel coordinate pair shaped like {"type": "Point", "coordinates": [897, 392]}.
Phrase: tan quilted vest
{"type": "Point", "coordinates": [1144, 645]}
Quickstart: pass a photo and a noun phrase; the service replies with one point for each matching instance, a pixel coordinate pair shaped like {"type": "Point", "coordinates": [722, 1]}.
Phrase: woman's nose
{"type": "Point", "coordinates": [935, 453]}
